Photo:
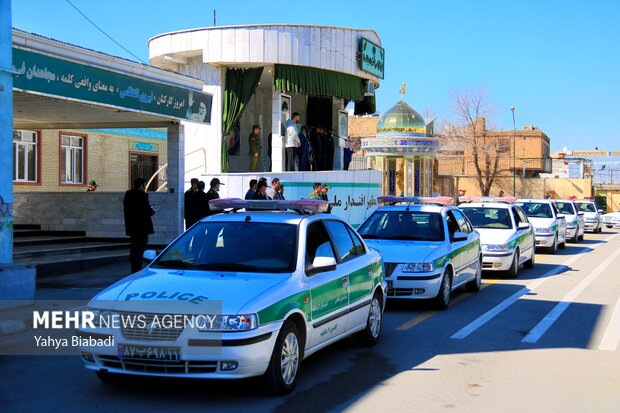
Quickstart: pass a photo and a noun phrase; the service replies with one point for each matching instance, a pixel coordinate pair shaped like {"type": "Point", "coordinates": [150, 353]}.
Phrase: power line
{"type": "Point", "coordinates": [101, 30]}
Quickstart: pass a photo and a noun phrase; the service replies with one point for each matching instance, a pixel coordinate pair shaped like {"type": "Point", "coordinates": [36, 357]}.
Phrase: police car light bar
{"type": "Point", "coordinates": [505, 199]}
{"type": "Point", "coordinates": [438, 200]}
{"type": "Point", "coordinates": [309, 205]}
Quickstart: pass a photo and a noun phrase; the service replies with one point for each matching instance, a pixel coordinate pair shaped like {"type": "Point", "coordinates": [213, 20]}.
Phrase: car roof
{"type": "Point", "coordinates": [564, 200]}
{"type": "Point", "coordinates": [276, 217]}
{"type": "Point", "coordinates": [539, 201]}
{"type": "Point", "coordinates": [499, 205]}
{"type": "Point", "coordinates": [413, 207]}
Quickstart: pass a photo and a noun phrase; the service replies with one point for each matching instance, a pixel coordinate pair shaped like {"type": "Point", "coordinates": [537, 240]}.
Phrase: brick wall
{"type": "Point", "coordinates": [107, 162]}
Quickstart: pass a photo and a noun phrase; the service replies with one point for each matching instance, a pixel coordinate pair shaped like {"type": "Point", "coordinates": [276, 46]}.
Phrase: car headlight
{"type": "Point", "coordinates": [418, 267]}
{"type": "Point", "coordinates": [495, 247]}
{"type": "Point", "coordinates": [542, 230]}
{"type": "Point", "coordinates": [215, 323]}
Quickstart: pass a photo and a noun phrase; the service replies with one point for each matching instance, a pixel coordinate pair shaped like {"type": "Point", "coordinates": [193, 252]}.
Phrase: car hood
{"type": "Point", "coordinates": [182, 291]}
{"type": "Point", "coordinates": [541, 222]}
{"type": "Point", "coordinates": [590, 215]}
{"type": "Point", "coordinates": [404, 251]}
{"type": "Point", "coordinates": [494, 236]}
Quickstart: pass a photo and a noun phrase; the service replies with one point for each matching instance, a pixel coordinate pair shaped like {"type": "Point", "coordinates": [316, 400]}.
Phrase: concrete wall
{"type": "Point", "coordinates": [525, 188]}
{"type": "Point", "coordinates": [100, 214]}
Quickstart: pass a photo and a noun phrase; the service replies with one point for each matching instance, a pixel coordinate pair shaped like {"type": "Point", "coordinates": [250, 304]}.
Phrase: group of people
{"type": "Point", "coordinates": [196, 200]}
{"type": "Point", "coordinates": [260, 190]}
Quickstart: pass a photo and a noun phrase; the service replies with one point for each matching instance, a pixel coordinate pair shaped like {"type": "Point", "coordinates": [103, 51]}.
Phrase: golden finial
{"type": "Point", "coordinates": [403, 88]}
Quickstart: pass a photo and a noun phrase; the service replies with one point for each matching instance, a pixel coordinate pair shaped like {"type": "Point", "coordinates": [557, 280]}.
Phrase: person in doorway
{"type": "Point", "coordinates": [292, 142]}
{"type": "Point", "coordinates": [213, 192]}
{"type": "Point", "coordinates": [348, 156]}
{"type": "Point", "coordinates": [261, 191]}
{"type": "Point", "coordinates": [138, 224]}
{"type": "Point", "coordinates": [189, 206]}
{"type": "Point", "coordinates": [317, 149]}
{"type": "Point", "coordinates": [252, 190]}
{"type": "Point", "coordinates": [274, 191]}
{"type": "Point", "coordinates": [304, 150]}
{"type": "Point", "coordinates": [254, 141]}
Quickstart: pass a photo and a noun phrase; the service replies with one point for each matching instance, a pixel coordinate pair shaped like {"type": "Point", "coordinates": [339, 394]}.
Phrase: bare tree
{"type": "Point", "coordinates": [472, 109]}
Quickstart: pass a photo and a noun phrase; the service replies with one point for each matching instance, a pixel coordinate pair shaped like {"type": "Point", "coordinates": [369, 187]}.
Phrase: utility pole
{"type": "Point", "coordinates": [514, 153]}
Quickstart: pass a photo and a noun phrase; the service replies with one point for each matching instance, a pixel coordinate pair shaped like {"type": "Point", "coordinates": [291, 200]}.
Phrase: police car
{"type": "Point", "coordinates": [575, 222]}
{"type": "Point", "coordinates": [429, 248]}
{"type": "Point", "coordinates": [549, 224]}
{"type": "Point", "coordinates": [255, 291]}
{"type": "Point", "coordinates": [612, 220]}
{"type": "Point", "coordinates": [506, 235]}
{"type": "Point", "coordinates": [592, 217]}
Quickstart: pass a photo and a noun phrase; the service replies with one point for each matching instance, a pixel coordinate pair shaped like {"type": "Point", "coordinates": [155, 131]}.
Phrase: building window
{"type": "Point", "coordinates": [71, 159]}
{"type": "Point", "coordinates": [25, 156]}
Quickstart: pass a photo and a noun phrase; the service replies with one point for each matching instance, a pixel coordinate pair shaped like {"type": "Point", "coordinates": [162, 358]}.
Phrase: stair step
{"type": "Point", "coordinates": [20, 233]}
{"type": "Point", "coordinates": [56, 265]}
{"type": "Point", "coordinates": [26, 226]}
{"type": "Point", "coordinates": [44, 250]}
{"type": "Point", "coordinates": [43, 240]}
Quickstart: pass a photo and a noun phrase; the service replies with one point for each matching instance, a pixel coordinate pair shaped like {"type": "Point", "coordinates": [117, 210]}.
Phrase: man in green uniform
{"type": "Point", "coordinates": [254, 140]}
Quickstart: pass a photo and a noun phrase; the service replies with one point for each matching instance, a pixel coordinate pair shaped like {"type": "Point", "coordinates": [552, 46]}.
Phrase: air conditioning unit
{"type": "Point", "coordinates": [369, 88]}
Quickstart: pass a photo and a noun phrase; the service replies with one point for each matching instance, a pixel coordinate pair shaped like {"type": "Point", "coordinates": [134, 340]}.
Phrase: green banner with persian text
{"type": "Point", "coordinates": [62, 78]}
{"type": "Point", "coordinates": [371, 58]}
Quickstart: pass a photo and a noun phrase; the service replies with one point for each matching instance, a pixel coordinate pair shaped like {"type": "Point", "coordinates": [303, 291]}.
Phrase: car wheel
{"type": "Point", "coordinates": [442, 301]}
{"type": "Point", "coordinates": [530, 263]}
{"type": "Point", "coordinates": [281, 375]}
{"type": "Point", "coordinates": [514, 267]}
{"type": "Point", "coordinates": [580, 237]}
{"type": "Point", "coordinates": [562, 245]}
{"type": "Point", "coordinates": [370, 335]}
{"type": "Point", "coordinates": [554, 248]}
{"type": "Point", "coordinates": [600, 228]}
{"type": "Point", "coordinates": [475, 284]}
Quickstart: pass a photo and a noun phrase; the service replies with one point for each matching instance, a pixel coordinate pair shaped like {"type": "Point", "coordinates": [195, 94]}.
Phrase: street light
{"type": "Point", "coordinates": [514, 153]}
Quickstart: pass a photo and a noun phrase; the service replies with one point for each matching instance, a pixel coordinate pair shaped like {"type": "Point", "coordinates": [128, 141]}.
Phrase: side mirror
{"type": "Point", "coordinates": [149, 256]}
{"type": "Point", "coordinates": [580, 213]}
{"type": "Point", "coordinates": [523, 225]}
{"type": "Point", "coordinates": [561, 216]}
{"type": "Point", "coordinates": [322, 264]}
{"type": "Point", "coordinates": [601, 211]}
{"type": "Point", "coordinates": [459, 236]}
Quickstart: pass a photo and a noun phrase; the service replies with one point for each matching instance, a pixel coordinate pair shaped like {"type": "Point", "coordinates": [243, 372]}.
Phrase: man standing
{"type": "Point", "coordinates": [189, 206]}
{"type": "Point", "coordinates": [292, 141]}
{"type": "Point", "coordinates": [324, 197]}
{"type": "Point", "coordinates": [274, 191]}
{"type": "Point", "coordinates": [252, 190]}
{"type": "Point", "coordinates": [254, 141]}
{"type": "Point", "coordinates": [200, 200]}
{"type": "Point", "coordinates": [138, 225]}
{"type": "Point", "coordinates": [304, 150]}
{"type": "Point", "coordinates": [316, 191]}
{"type": "Point", "coordinates": [213, 192]}
{"type": "Point", "coordinates": [260, 191]}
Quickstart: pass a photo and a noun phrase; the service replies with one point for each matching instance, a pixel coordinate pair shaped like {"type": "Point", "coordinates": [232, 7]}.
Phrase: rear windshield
{"type": "Point", "coordinates": [233, 246]}
{"type": "Point", "coordinates": [536, 209]}
{"type": "Point", "coordinates": [492, 218]}
{"type": "Point", "coordinates": [586, 207]}
{"type": "Point", "coordinates": [403, 225]}
{"type": "Point", "coordinates": [566, 208]}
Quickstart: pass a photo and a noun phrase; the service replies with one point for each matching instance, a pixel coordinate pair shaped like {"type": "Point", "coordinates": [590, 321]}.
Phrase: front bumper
{"type": "Point", "coordinates": [544, 240]}
{"type": "Point", "coordinates": [200, 355]}
{"type": "Point", "coordinates": [497, 261]}
{"type": "Point", "coordinates": [591, 226]}
{"type": "Point", "coordinates": [571, 232]}
{"type": "Point", "coordinates": [612, 224]}
{"type": "Point", "coordinates": [414, 286]}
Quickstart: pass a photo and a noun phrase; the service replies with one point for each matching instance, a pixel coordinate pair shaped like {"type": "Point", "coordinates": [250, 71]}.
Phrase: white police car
{"type": "Point", "coordinates": [429, 248]}
{"type": "Point", "coordinates": [612, 219]}
{"type": "Point", "coordinates": [506, 235]}
{"type": "Point", "coordinates": [255, 293]}
{"type": "Point", "coordinates": [549, 224]}
{"type": "Point", "coordinates": [593, 220]}
{"type": "Point", "coordinates": [575, 222]}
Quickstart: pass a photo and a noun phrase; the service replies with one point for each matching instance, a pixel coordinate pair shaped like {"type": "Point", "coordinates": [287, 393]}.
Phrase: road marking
{"type": "Point", "coordinates": [611, 338]}
{"type": "Point", "coordinates": [486, 317]}
{"type": "Point", "coordinates": [541, 328]}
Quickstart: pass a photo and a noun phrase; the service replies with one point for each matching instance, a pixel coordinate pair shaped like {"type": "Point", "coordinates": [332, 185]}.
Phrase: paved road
{"type": "Point", "coordinates": [545, 342]}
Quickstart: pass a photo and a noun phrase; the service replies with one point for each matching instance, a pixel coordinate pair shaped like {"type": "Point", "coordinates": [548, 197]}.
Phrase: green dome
{"type": "Point", "coordinates": [401, 118]}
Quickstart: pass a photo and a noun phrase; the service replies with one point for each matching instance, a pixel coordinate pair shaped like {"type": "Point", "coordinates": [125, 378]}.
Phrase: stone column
{"type": "Point", "coordinates": [176, 170]}
{"type": "Point", "coordinates": [277, 140]}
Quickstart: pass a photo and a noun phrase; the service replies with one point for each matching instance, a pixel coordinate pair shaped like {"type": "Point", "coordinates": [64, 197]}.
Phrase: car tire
{"type": "Point", "coordinates": [562, 245]}
{"type": "Point", "coordinates": [514, 267]}
{"type": "Point", "coordinates": [554, 248]}
{"type": "Point", "coordinates": [442, 301]}
{"type": "Point", "coordinates": [371, 334]}
{"type": "Point", "coordinates": [475, 284]}
{"type": "Point", "coordinates": [580, 237]}
{"type": "Point", "coordinates": [531, 262]}
{"type": "Point", "coordinates": [281, 375]}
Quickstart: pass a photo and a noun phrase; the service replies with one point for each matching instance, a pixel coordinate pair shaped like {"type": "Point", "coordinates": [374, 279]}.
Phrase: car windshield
{"type": "Point", "coordinates": [565, 208]}
{"type": "Point", "coordinates": [586, 207]}
{"type": "Point", "coordinates": [403, 225]}
{"type": "Point", "coordinates": [536, 209]}
{"type": "Point", "coordinates": [492, 218]}
{"type": "Point", "coordinates": [233, 246]}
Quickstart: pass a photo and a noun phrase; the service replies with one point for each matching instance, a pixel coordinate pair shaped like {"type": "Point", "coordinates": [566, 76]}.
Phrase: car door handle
{"type": "Point", "coordinates": [345, 282]}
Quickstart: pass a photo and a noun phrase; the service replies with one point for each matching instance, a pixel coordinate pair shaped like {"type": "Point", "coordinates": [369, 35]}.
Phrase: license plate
{"type": "Point", "coordinates": [389, 283]}
{"type": "Point", "coordinates": [148, 352]}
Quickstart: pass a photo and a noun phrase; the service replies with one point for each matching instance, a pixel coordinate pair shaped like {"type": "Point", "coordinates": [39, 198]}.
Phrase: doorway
{"type": "Point", "coordinates": [143, 166]}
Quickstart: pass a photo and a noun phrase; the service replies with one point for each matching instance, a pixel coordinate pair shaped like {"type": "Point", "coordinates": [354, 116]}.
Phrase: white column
{"type": "Point", "coordinates": [277, 140]}
{"type": "Point", "coordinates": [176, 169]}
{"type": "Point", "coordinates": [6, 134]}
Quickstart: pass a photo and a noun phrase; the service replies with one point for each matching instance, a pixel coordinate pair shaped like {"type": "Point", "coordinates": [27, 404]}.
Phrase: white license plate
{"type": "Point", "coordinates": [148, 352]}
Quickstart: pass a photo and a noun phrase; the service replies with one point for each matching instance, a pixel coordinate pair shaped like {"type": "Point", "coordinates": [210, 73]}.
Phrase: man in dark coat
{"type": "Point", "coordinates": [212, 193]}
{"type": "Point", "coordinates": [260, 191]}
{"type": "Point", "coordinates": [189, 206]}
{"type": "Point", "coordinates": [138, 224]}
{"type": "Point", "coordinates": [201, 201]}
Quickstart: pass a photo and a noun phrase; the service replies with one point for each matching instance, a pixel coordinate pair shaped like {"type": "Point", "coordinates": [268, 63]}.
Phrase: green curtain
{"type": "Point", "coordinates": [321, 82]}
{"type": "Point", "coordinates": [240, 86]}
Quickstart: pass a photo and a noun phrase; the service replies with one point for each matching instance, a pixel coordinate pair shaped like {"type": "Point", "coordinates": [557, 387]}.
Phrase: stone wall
{"type": "Point", "coordinates": [100, 214]}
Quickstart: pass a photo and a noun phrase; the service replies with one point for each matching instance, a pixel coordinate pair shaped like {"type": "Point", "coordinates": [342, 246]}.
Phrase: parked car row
{"type": "Point", "coordinates": [275, 281]}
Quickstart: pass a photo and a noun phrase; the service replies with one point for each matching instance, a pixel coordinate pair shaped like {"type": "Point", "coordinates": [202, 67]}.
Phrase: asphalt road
{"type": "Point", "coordinates": [547, 341]}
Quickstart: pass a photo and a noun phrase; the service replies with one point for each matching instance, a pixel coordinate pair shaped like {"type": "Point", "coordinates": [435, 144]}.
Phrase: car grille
{"type": "Point", "coordinates": [487, 265]}
{"type": "Point", "coordinates": [158, 366]}
{"type": "Point", "coordinates": [389, 268]}
{"type": "Point", "coordinates": [399, 292]}
{"type": "Point", "coordinates": [144, 332]}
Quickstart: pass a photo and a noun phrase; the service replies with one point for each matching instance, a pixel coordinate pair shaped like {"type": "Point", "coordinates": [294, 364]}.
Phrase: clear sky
{"type": "Point", "coordinates": [556, 61]}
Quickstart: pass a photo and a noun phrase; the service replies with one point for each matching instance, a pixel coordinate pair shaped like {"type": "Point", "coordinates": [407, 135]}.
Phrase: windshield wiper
{"type": "Point", "coordinates": [226, 266]}
{"type": "Point", "coordinates": [173, 264]}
